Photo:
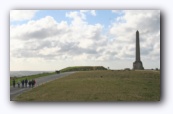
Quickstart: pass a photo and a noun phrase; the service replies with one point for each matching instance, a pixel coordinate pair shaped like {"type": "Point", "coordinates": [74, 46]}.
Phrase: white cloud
{"type": "Point", "coordinates": [118, 11]}
{"type": "Point", "coordinates": [79, 17]}
{"type": "Point", "coordinates": [20, 15]}
{"type": "Point", "coordinates": [148, 24]}
{"type": "Point", "coordinates": [93, 12]}
{"type": "Point", "coordinates": [45, 38]}
{"type": "Point", "coordinates": [49, 40]}
{"type": "Point", "coordinates": [40, 29]}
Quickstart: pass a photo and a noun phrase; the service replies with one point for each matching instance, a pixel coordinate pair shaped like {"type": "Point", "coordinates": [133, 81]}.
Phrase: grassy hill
{"type": "Point", "coordinates": [99, 85]}
{"type": "Point", "coordinates": [82, 68]}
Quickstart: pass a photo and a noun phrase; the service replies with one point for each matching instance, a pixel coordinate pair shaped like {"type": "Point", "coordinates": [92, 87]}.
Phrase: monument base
{"type": "Point", "coordinates": [137, 65]}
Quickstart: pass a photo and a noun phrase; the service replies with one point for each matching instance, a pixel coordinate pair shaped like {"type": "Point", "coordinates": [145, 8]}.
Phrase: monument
{"type": "Point", "coordinates": [137, 65]}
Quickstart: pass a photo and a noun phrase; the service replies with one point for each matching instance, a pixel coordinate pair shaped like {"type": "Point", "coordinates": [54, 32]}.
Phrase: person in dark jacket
{"type": "Point", "coordinates": [23, 83]}
{"type": "Point", "coordinates": [18, 83]}
{"type": "Point", "coordinates": [26, 82]}
{"type": "Point", "coordinates": [33, 82]}
{"type": "Point", "coordinates": [29, 84]}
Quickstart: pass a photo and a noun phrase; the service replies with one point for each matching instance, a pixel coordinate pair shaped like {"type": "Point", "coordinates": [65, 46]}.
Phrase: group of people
{"type": "Point", "coordinates": [24, 83]}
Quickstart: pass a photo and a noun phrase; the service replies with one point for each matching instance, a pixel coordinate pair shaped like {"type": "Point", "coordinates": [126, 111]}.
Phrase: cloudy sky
{"type": "Point", "coordinates": [54, 39]}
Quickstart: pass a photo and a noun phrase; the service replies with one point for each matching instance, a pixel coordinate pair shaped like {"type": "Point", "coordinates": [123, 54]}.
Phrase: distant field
{"type": "Point", "coordinates": [99, 86]}
{"type": "Point", "coordinates": [29, 77]}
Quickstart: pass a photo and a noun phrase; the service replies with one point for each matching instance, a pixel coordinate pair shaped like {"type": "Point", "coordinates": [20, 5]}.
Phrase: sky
{"type": "Point", "coordinates": [48, 40]}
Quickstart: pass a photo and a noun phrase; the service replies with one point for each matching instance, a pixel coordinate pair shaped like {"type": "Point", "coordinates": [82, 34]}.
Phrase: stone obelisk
{"type": "Point", "coordinates": [137, 65]}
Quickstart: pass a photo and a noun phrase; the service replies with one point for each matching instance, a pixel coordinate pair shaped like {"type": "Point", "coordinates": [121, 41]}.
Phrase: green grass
{"type": "Point", "coordinates": [82, 68]}
{"type": "Point", "coordinates": [29, 77]}
{"type": "Point", "coordinates": [99, 86]}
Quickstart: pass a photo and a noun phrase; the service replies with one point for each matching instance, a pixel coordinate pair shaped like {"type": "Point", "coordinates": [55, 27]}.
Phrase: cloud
{"type": "Point", "coordinates": [20, 15]}
{"type": "Point", "coordinates": [79, 17]}
{"type": "Point", "coordinates": [45, 37]}
{"type": "Point", "coordinates": [48, 39]}
{"type": "Point", "coordinates": [84, 12]}
{"type": "Point", "coordinates": [118, 11]}
{"type": "Point", "coordinates": [40, 29]}
{"type": "Point", "coordinates": [124, 28]}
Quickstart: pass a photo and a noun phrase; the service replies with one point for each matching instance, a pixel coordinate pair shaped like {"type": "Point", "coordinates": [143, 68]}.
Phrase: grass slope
{"type": "Point", "coordinates": [99, 86]}
{"type": "Point", "coordinates": [82, 68]}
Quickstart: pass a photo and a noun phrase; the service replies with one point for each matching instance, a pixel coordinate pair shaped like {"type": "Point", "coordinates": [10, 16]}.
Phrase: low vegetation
{"type": "Point", "coordinates": [82, 68]}
{"type": "Point", "coordinates": [99, 86]}
{"type": "Point", "coordinates": [29, 77]}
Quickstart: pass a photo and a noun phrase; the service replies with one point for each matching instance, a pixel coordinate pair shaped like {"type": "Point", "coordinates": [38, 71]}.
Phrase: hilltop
{"type": "Point", "coordinates": [82, 68]}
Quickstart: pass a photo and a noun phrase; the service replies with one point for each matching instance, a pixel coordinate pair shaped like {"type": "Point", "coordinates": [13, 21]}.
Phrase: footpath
{"type": "Point", "coordinates": [39, 81]}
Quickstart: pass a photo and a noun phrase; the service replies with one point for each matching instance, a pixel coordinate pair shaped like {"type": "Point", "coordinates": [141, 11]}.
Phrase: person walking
{"type": "Point", "coordinates": [29, 83]}
{"type": "Point", "coordinates": [23, 83]}
{"type": "Point", "coordinates": [33, 83]}
{"type": "Point", "coordinates": [26, 82]}
{"type": "Point", "coordinates": [18, 83]}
